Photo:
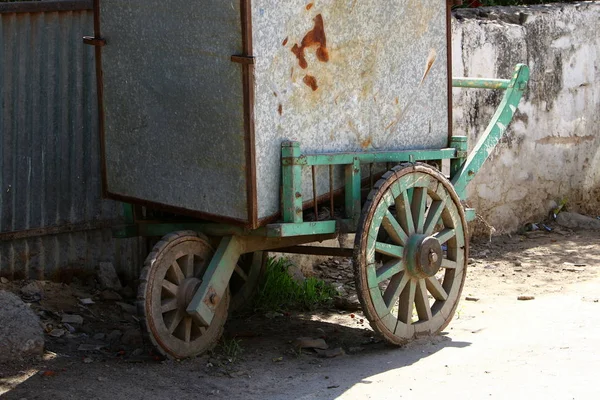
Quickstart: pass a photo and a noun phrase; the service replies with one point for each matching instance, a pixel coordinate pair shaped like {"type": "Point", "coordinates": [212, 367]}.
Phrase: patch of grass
{"type": "Point", "coordinates": [231, 349]}
{"type": "Point", "coordinates": [279, 291]}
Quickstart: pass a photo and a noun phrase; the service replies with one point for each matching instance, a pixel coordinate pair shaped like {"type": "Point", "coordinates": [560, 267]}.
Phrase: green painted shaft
{"type": "Point", "coordinates": [474, 83]}
{"type": "Point", "coordinates": [352, 191]}
{"type": "Point", "coordinates": [496, 128]}
{"type": "Point", "coordinates": [375, 157]}
{"type": "Point", "coordinates": [215, 280]}
{"type": "Point", "coordinates": [292, 183]}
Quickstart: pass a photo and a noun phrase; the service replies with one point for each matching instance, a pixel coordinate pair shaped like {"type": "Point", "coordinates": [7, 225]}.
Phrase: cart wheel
{"type": "Point", "coordinates": [172, 273]}
{"type": "Point", "coordinates": [410, 253]}
{"type": "Point", "coordinates": [245, 279]}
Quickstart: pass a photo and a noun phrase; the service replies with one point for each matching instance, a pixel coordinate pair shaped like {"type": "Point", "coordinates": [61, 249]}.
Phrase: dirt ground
{"type": "Point", "coordinates": [496, 347]}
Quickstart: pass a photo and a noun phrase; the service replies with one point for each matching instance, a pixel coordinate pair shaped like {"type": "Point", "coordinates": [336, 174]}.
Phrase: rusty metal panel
{"type": "Point", "coordinates": [173, 103]}
{"type": "Point", "coordinates": [346, 75]}
{"type": "Point", "coordinates": [49, 148]}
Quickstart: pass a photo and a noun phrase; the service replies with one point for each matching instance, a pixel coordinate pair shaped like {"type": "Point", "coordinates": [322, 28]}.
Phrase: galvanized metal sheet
{"type": "Point", "coordinates": [49, 153]}
{"type": "Point", "coordinates": [174, 104]}
{"type": "Point", "coordinates": [346, 75]}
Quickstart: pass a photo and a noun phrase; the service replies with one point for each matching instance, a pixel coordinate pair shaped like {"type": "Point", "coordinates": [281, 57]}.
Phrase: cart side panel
{"type": "Point", "coordinates": [346, 75]}
{"type": "Point", "coordinates": [173, 105]}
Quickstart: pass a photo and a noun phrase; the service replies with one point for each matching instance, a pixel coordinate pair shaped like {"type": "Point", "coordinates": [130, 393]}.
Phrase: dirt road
{"type": "Point", "coordinates": [496, 347]}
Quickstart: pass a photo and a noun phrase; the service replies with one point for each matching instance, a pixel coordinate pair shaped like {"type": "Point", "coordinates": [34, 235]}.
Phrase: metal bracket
{"type": "Point", "coordinates": [94, 41]}
{"type": "Point", "coordinates": [242, 59]}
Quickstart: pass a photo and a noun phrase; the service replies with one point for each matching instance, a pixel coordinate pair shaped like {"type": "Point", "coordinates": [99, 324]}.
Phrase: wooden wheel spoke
{"type": "Point", "coordinates": [241, 272]}
{"type": "Point", "coordinates": [433, 216]}
{"type": "Point", "coordinates": [445, 235]}
{"type": "Point", "coordinates": [393, 228]}
{"type": "Point", "coordinates": [407, 300]}
{"type": "Point", "coordinates": [418, 206]}
{"type": "Point", "coordinates": [187, 265]}
{"type": "Point", "coordinates": [404, 213]}
{"type": "Point", "coordinates": [396, 286]}
{"type": "Point", "coordinates": [175, 274]}
{"type": "Point", "coordinates": [448, 264]}
{"type": "Point", "coordinates": [172, 288]}
{"type": "Point", "coordinates": [388, 270]}
{"type": "Point", "coordinates": [168, 305]}
{"type": "Point", "coordinates": [175, 320]}
{"type": "Point", "coordinates": [436, 289]}
{"type": "Point", "coordinates": [187, 329]}
{"type": "Point", "coordinates": [422, 302]}
{"type": "Point", "coordinates": [389, 249]}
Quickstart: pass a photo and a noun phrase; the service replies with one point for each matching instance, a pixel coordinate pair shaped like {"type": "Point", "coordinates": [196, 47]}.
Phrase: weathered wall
{"type": "Point", "coordinates": [52, 217]}
{"type": "Point", "coordinates": [552, 149]}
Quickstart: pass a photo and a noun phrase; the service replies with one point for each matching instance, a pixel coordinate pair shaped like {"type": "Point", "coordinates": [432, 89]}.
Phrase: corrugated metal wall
{"type": "Point", "coordinates": [51, 216]}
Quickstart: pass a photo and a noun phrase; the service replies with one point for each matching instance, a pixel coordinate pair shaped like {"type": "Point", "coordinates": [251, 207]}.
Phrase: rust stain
{"type": "Point", "coordinates": [311, 82]}
{"type": "Point", "coordinates": [366, 143]}
{"type": "Point", "coordinates": [309, 6]}
{"type": "Point", "coordinates": [280, 109]}
{"type": "Point", "coordinates": [285, 41]}
{"type": "Point", "coordinates": [430, 60]}
{"type": "Point", "coordinates": [396, 101]}
{"type": "Point", "coordinates": [314, 38]}
{"type": "Point", "coordinates": [565, 140]}
{"type": "Point", "coordinates": [275, 94]}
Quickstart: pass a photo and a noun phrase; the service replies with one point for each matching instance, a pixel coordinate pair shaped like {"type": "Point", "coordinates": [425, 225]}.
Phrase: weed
{"type": "Point", "coordinates": [231, 349]}
{"type": "Point", "coordinates": [279, 291]}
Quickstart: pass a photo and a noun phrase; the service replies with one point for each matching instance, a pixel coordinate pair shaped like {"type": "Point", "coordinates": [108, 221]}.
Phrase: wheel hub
{"type": "Point", "coordinates": [423, 256]}
{"type": "Point", "coordinates": [187, 289]}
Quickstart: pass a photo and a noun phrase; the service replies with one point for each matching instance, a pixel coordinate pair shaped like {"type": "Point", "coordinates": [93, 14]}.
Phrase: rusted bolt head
{"type": "Point", "coordinates": [213, 299]}
{"type": "Point", "coordinates": [433, 257]}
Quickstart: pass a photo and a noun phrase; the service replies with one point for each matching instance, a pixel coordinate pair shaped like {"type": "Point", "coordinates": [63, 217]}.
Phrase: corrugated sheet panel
{"type": "Point", "coordinates": [49, 150]}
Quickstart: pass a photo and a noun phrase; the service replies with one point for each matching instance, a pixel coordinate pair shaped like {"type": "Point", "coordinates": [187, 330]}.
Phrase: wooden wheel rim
{"type": "Point", "coordinates": [172, 273]}
{"type": "Point", "coordinates": [434, 212]}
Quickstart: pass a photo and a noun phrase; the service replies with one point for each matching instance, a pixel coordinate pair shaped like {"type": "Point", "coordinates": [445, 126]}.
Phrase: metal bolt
{"type": "Point", "coordinates": [433, 257]}
{"type": "Point", "coordinates": [213, 299]}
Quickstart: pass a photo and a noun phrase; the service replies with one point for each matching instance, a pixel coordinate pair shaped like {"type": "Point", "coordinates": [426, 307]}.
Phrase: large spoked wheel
{"type": "Point", "coordinates": [172, 273]}
{"type": "Point", "coordinates": [245, 279]}
{"type": "Point", "coordinates": [410, 253]}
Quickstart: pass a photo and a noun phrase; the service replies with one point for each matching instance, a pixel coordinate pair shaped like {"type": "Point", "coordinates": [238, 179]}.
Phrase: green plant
{"type": "Point", "coordinates": [279, 291]}
{"type": "Point", "coordinates": [231, 348]}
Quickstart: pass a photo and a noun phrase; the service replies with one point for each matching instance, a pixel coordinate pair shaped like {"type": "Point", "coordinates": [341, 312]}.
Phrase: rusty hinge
{"type": "Point", "coordinates": [242, 59]}
{"type": "Point", "coordinates": [94, 41]}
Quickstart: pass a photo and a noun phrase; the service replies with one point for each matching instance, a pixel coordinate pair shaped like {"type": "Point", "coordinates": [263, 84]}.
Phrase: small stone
{"type": "Point", "coordinates": [70, 328]}
{"type": "Point", "coordinates": [109, 295]}
{"type": "Point", "coordinates": [33, 291]}
{"type": "Point", "coordinates": [72, 319]}
{"type": "Point", "coordinates": [86, 302]}
{"type": "Point", "coordinates": [310, 343]}
{"type": "Point", "coordinates": [128, 308]}
{"type": "Point", "coordinates": [331, 353]}
{"type": "Point", "coordinates": [88, 360]}
{"type": "Point", "coordinates": [101, 378]}
{"type": "Point", "coordinates": [471, 261]}
{"type": "Point", "coordinates": [356, 349]}
{"type": "Point", "coordinates": [518, 263]}
{"type": "Point", "coordinates": [350, 303]}
{"type": "Point", "coordinates": [107, 276]}
{"type": "Point", "coordinates": [99, 336]}
{"type": "Point", "coordinates": [137, 352]}
{"type": "Point", "coordinates": [57, 333]}
{"type": "Point", "coordinates": [114, 336]}
{"type": "Point", "coordinates": [526, 298]}
{"type": "Point", "coordinates": [132, 337]}
{"type": "Point", "coordinates": [4, 280]}
{"type": "Point", "coordinates": [272, 315]}
{"type": "Point", "coordinates": [471, 298]}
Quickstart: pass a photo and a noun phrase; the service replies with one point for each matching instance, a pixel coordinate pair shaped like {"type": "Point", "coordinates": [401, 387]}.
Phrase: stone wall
{"type": "Point", "coordinates": [552, 149]}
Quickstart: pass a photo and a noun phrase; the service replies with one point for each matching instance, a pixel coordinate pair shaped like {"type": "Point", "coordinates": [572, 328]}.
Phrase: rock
{"type": "Point", "coordinates": [107, 276]}
{"type": "Point", "coordinates": [471, 298]}
{"type": "Point", "coordinates": [70, 328]}
{"type": "Point", "coordinates": [86, 302]}
{"type": "Point", "coordinates": [128, 308]}
{"type": "Point", "coordinates": [109, 295]}
{"type": "Point", "coordinates": [72, 319]}
{"type": "Point", "coordinates": [137, 352]}
{"type": "Point", "coordinates": [525, 298]}
{"type": "Point", "coordinates": [57, 333]}
{"type": "Point", "coordinates": [577, 221]}
{"type": "Point", "coordinates": [33, 291]}
{"type": "Point", "coordinates": [310, 343]}
{"type": "Point", "coordinates": [100, 336]}
{"type": "Point", "coordinates": [4, 280]}
{"type": "Point", "coordinates": [21, 334]}
{"type": "Point", "coordinates": [131, 337]}
{"type": "Point", "coordinates": [350, 303]}
{"type": "Point", "coordinates": [331, 353]}
{"type": "Point", "coordinates": [88, 360]}
{"type": "Point", "coordinates": [114, 336]}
